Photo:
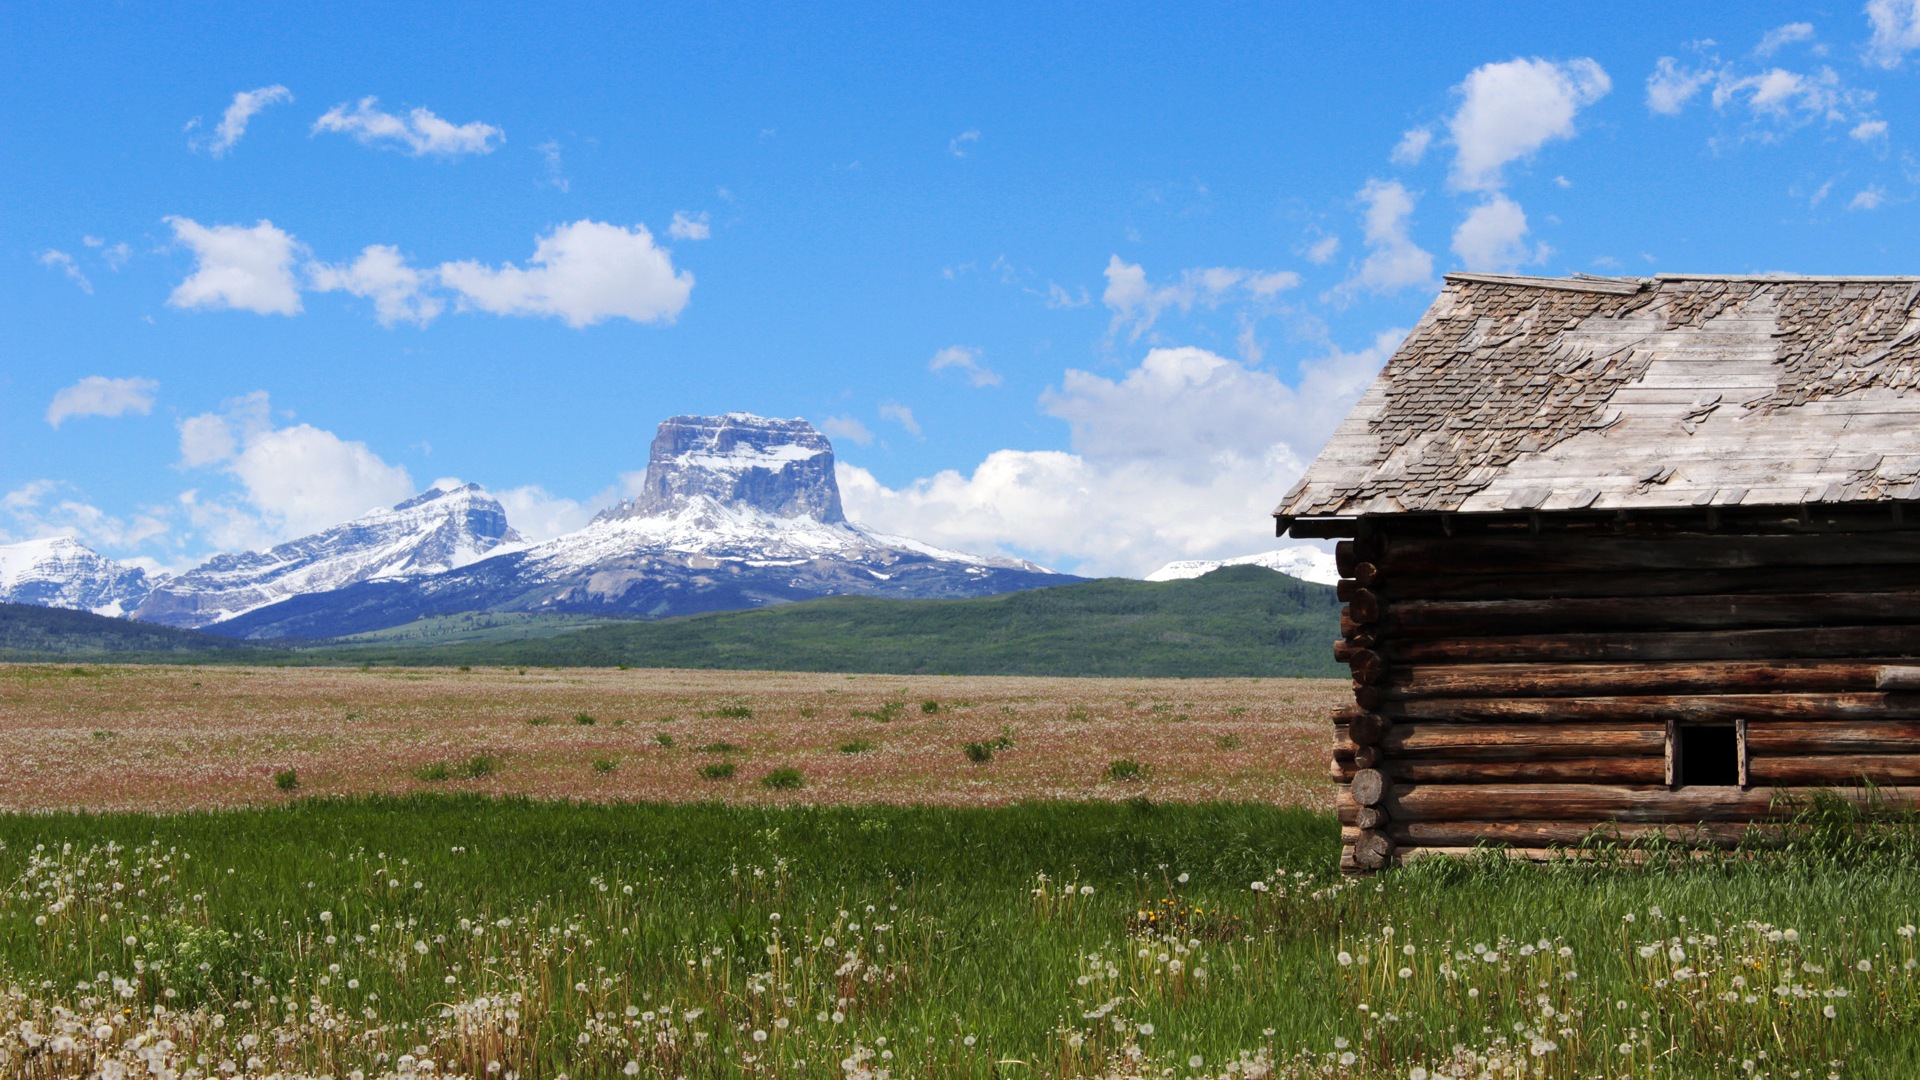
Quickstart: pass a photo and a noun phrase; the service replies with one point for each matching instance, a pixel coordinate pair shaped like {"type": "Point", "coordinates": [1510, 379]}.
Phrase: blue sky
{"type": "Point", "coordinates": [1090, 285]}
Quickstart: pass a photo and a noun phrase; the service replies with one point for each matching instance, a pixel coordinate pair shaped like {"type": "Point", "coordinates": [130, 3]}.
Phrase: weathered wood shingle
{"type": "Point", "coordinates": [1610, 393]}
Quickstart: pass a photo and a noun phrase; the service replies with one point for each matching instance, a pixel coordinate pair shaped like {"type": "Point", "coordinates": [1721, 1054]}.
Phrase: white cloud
{"type": "Point", "coordinates": [687, 226]}
{"type": "Point", "coordinates": [245, 269]}
{"type": "Point", "coordinates": [556, 174]}
{"type": "Point", "coordinates": [63, 262]}
{"type": "Point", "coordinates": [1896, 30]}
{"type": "Point", "coordinates": [97, 395]}
{"type": "Point", "coordinates": [1509, 110]}
{"type": "Point", "coordinates": [1494, 237]}
{"type": "Point", "coordinates": [1393, 260]}
{"type": "Point", "coordinates": [581, 273]}
{"type": "Point", "coordinates": [233, 122]}
{"type": "Point", "coordinates": [35, 514]}
{"type": "Point", "coordinates": [293, 480]}
{"type": "Point", "coordinates": [957, 146]}
{"type": "Point", "coordinates": [1412, 146]}
{"type": "Point", "coordinates": [114, 255]}
{"type": "Point", "coordinates": [1058, 297]}
{"type": "Point", "coordinates": [540, 515]}
{"type": "Point", "coordinates": [1781, 36]}
{"type": "Point", "coordinates": [1868, 199]}
{"type": "Point", "coordinates": [1183, 457]}
{"type": "Point", "coordinates": [1868, 130]}
{"type": "Point", "coordinates": [1322, 251]}
{"type": "Point", "coordinates": [847, 428]}
{"type": "Point", "coordinates": [967, 362]}
{"type": "Point", "coordinates": [1137, 304]}
{"type": "Point", "coordinates": [419, 133]}
{"type": "Point", "coordinates": [1671, 86]}
{"type": "Point", "coordinates": [900, 414]}
{"type": "Point", "coordinates": [381, 274]}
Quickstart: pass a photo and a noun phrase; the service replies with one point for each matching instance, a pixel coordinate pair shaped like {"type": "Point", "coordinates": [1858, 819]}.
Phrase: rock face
{"type": "Point", "coordinates": [736, 511]}
{"type": "Point", "coordinates": [430, 533]}
{"type": "Point", "coordinates": [782, 468]}
{"type": "Point", "coordinates": [63, 572]}
{"type": "Point", "coordinates": [1303, 561]}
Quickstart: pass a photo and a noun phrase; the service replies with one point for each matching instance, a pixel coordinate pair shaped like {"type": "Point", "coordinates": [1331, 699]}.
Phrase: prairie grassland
{"type": "Point", "coordinates": [469, 937]}
{"type": "Point", "coordinates": [102, 737]}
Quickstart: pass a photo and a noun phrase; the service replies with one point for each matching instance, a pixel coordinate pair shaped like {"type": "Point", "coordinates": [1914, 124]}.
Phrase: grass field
{"type": "Point", "coordinates": [169, 738]}
{"type": "Point", "coordinates": [335, 873]}
{"type": "Point", "coordinates": [461, 936]}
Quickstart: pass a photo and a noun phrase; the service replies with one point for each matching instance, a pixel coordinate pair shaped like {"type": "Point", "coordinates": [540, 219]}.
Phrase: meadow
{"type": "Point", "coordinates": [1021, 910]}
{"type": "Point", "coordinates": [124, 737]}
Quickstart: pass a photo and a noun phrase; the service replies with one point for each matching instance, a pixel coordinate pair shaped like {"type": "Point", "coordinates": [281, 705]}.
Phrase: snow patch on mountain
{"type": "Point", "coordinates": [60, 571]}
{"type": "Point", "coordinates": [1303, 561]}
{"type": "Point", "coordinates": [434, 532]}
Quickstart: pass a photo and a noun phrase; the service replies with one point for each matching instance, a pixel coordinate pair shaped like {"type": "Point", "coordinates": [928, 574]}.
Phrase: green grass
{"type": "Point", "coordinates": [1066, 936]}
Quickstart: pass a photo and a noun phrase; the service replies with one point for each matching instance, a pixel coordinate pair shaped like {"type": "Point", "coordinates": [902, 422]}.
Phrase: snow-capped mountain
{"type": "Point", "coordinates": [1303, 561]}
{"type": "Point", "coordinates": [430, 533]}
{"type": "Point", "coordinates": [736, 511]}
{"type": "Point", "coordinates": [62, 572]}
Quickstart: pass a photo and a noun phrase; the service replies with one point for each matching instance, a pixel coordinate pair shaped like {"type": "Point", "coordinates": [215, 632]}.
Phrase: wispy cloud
{"type": "Point", "coordinates": [965, 361]}
{"type": "Point", "coordinates": [418, 133]}
{"type": "Point", "coordinates": [233, 122]}
{"type": "Point", "coordinates": [957, 146]}
{"type": "Point", "coordinates": [97, 395]}
{"type": "Point", "coordinates": [685, 226]}
{"type": "Point", "coordinates": [63, 262]}
{"type": "Point", "coordinates": [900, 414]}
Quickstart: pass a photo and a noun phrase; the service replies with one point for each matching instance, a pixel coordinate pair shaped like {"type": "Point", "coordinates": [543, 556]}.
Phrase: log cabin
{"type": "Point", "coordinates": [1625, 558]}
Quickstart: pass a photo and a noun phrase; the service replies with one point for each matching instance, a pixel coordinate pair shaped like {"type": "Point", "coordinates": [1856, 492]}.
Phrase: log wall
{"type": "Point", "coordinates": [1522, 683]}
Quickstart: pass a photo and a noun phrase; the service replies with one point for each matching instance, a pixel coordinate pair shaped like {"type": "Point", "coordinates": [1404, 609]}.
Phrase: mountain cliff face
{"type": "Point", "coordinates": [62, 572]}
{"type": "Point", "coordinates": [431, 533]}
{"type": "Point", "coordinates": [736, 511]}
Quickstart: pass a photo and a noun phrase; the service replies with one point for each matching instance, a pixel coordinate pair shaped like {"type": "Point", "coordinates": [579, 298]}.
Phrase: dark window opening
{"type": "Point", "coordinates": [1707, 755]}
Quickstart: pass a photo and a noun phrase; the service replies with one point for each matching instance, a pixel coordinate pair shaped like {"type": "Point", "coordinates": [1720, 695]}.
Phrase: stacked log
{"type": "Point", "coordinates": [1518, 688]}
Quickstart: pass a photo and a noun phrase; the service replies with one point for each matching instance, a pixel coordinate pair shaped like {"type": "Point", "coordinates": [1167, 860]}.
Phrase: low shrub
{"type": "Point", "coordinates": [718, 770]}
{"type": "Point", "coordinates": [783, 779]}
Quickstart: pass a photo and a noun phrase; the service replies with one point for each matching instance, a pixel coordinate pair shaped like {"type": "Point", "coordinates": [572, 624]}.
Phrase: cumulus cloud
{"type": "Point", "coordinates": [848, 429]}
{"type": "Point", "coordinates": [1511, 109]}
{"type": "Point", "coordinates": [1896, 31]}
{"type": "Point", "coordinates": [63, 262]}
{"type": "Point", "coordinates": [687, 226]}
{"type": "Point", "coordinates": [581, 273]}
{"type": "Point", "coordinates": [1494, 237]}
{"type": "Point", "coordinates": [238, 268]}
{"type": "Point", "coordinates": [1412, 146]}
{"type": "Point", "coordinates": [418, 133]}
{"type": "Point", "coordinates": [967, 363]}
{"type": "Point", "coordinates": [292, 480]}
{"type": "Point", "coordinates": [1671, 86]}
{"type": "Point", "coordinates": [1182, 457]}
{"type": "Point", "coordinates": [381, 274]}
{"type": "Point", "coordinates": [900, 414]}
{"type": "Point", "coordinates": [1137, 303]}
{"type": "Point", "coordinates": [38, 509]}
{"type": "Point", "coordinates": [1770, 101]}
{"type": "Point", "coordinates": [538, 514]}
{"type": "Point", "coordinates": [97, 395]}
{"type": "Point", "coordinates": [1393, 260]}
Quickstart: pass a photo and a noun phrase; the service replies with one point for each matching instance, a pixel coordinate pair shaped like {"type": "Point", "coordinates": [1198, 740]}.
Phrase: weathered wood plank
{"type": "Point", "coordinates": [1409, 556]}
{"type": "Point", "coordinates": [1427, 619]}
{"type": "Point", "coordinates": [1784, 737]}
{"type": "Point", "coordinates": [1831, 642]}
{"type": "Point", "coordinates": [1585, 680]}
{"type": "Point", "coordinates": [1609, 802]}
{"type": "Point", "coordinates": [1513, 742]}
{"type": "Point", "coordinates": [1835, 769]}
{"type": "Point", "coordinates": [1583, 770]}
{"type": "Point", "coordinates": [1703, 708]}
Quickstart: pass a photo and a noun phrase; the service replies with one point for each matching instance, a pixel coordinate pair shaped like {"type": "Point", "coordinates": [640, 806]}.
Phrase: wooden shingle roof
{"type": "Point", "coordinates": [1541, 394]}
